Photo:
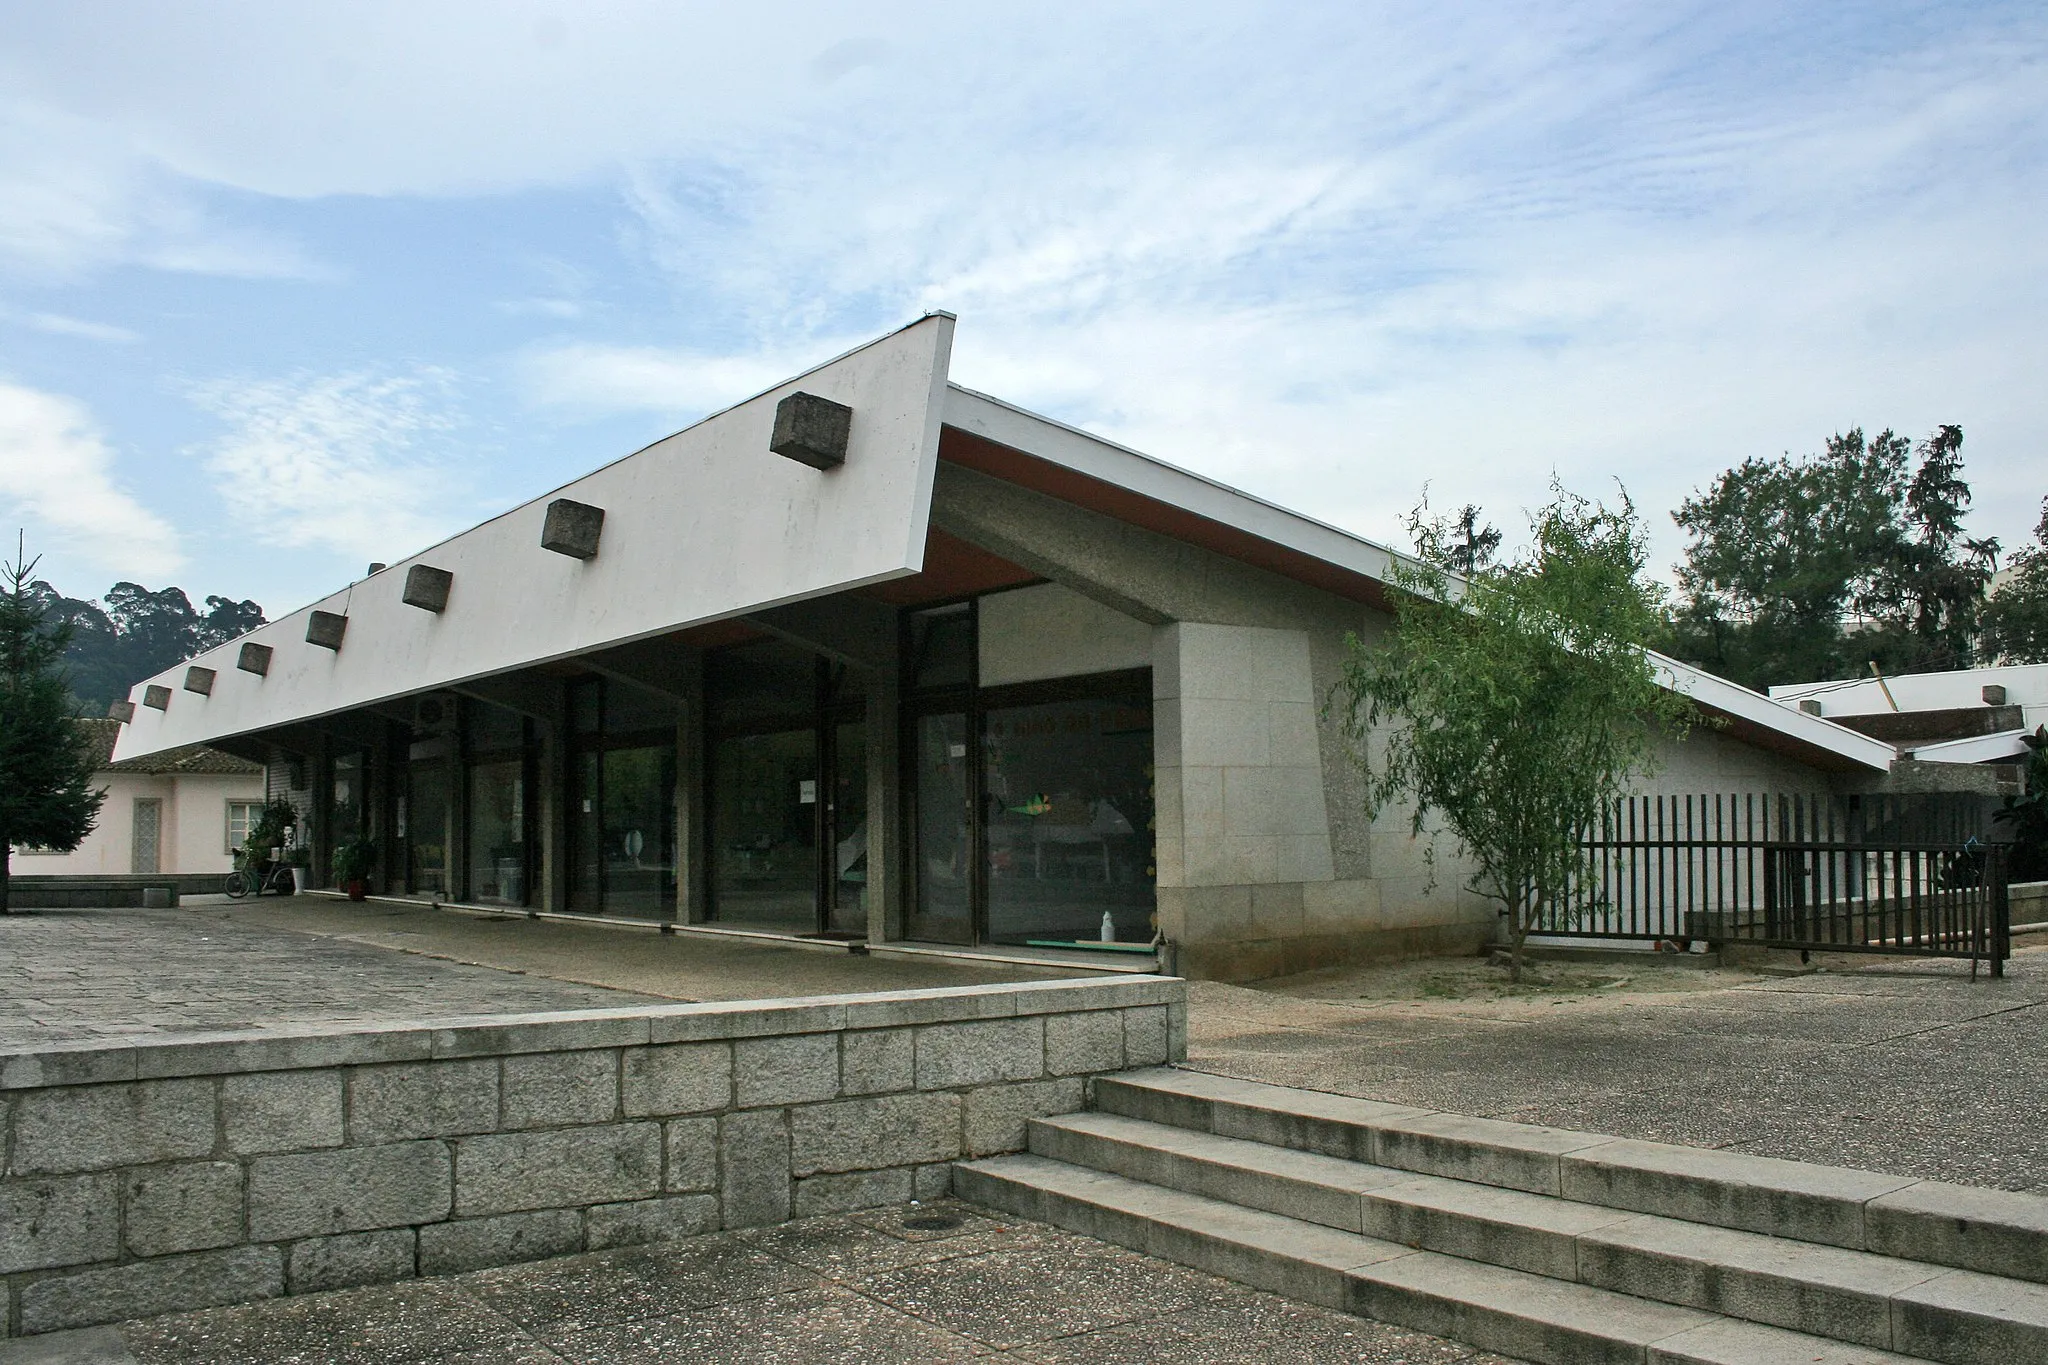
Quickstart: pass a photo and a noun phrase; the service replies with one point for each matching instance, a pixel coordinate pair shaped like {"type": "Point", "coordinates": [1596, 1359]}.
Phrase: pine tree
{"type": "Point", "coordinates": [46, 795]}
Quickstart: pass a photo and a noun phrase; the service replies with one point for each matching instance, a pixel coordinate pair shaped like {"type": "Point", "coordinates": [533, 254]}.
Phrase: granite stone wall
{"type": "Point", "coordinates": [172, 1175]}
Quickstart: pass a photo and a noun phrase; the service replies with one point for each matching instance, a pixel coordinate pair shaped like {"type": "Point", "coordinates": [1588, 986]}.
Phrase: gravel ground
{"type": "Point", "coordinates": [1904, 1066]}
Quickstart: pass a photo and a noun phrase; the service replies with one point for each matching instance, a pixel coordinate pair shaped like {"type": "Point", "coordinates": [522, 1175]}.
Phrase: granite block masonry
{"type": "Point", "coordinates": [191, 1172]}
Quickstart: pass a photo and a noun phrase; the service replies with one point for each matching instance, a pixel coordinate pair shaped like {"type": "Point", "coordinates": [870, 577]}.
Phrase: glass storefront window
{"type": "Point", "coordinates": [764, 821]}
{"type": "Point", "coordinates": [497, 831]}
{"type": "Point", "coordinates": [426, 833]}
{"type": "Point", "coordinates": [849, 823]}
{"type": "Point", "coordinates": [942, 647]}
{"type": "Point", "coordinates": [639, 831]}
{"type": "Point", "coordinates": [622, 801]}
{"type": "Point", "coordinates": [1070, 821]}
{"type": "Point", "coordinates": [943, 912]}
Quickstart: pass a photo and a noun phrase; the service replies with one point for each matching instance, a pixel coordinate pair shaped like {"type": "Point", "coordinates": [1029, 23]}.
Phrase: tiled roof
{"type": "Point", "coordinates": [193, 758]}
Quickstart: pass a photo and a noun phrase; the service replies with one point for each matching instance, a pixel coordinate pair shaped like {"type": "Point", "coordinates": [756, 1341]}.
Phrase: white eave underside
{"type": "Point", "coordinates": [1975, 749]}
{"type": "Point", "coordinates": [1738, 701]}
{"type": "Point", "coordinates": [1070, 448]}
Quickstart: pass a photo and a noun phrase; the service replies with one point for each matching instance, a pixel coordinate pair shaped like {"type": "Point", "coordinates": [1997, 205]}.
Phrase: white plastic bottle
{"type": "Point", "coordinates": [1108, 928]}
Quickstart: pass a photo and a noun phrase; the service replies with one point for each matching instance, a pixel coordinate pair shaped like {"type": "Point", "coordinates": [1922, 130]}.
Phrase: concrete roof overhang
{"type": "Point", "coordinates": [708, 535]}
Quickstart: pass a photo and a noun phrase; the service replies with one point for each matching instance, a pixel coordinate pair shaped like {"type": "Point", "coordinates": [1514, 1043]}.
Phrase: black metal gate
{"type": "Point", "coordinates": [1909, 875]}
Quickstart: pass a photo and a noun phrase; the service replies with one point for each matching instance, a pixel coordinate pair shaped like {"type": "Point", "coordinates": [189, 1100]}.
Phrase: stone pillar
{"type": "Point", "coordinates": [887, 882]}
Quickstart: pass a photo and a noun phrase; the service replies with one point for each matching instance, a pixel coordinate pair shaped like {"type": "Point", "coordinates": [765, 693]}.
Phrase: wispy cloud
{"type": "Point", "coordinates": [56, 324]}
{"type": "Point", "coordinates": [57, 471]}
{"type": "Point", "coordinates": [357, 463]}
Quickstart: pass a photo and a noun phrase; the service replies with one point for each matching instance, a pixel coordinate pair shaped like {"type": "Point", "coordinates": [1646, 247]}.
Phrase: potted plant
{"type": "Point", "coordinates": [351, 864]}
{"type": "Point", "coordinates": [300, 859]}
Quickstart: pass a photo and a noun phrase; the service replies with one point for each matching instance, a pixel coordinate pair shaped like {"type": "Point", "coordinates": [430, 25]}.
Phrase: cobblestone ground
{"type": "Point", "coordinates": [1902, 1066]}
{"type": "Point", "coordinates": [874, 1287]}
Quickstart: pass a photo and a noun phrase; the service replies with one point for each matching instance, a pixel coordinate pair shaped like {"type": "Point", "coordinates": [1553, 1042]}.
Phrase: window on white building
{"type": "Point", "coordinates": [242, 816]}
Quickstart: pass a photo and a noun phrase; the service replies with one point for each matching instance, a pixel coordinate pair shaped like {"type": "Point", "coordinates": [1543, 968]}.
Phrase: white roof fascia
{"type": "Point", "coordinates": [1738, 701]}
{"type": "Point", "coordinates": [1071, 448]}
{"type": "Point", "coordinates": [1975, 749]}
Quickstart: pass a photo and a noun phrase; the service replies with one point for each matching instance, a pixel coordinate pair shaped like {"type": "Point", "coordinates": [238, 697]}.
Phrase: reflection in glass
{"type": "Point", "coordinates": [942, 646]}
{"type": "Point", "coordinates": [497, 831]}
{"type": "Point", "coordinates": [586, 834]}
{"type": "Point", "coordinates": [764, 821]}
{"type": "Point", "coordinates": [849, 909]}
{"type": "Point", "coordinates": [940, 831]}
{"type": "Point", "coordinates": [1070, 823]}
{"type": "Point", "coordinates": [639, 831]}
{"type": "Point", "coordinates": [426, 835]}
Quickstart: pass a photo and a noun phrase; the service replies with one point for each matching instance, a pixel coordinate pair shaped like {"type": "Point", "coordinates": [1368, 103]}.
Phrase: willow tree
{"type": "Point", "coordinates": [1515, 702]}
{"type": "Point", "coordinates": [47, 799]}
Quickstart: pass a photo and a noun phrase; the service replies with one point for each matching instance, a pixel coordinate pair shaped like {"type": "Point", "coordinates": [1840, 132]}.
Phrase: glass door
{"type": "Point", "coordinates": [846, 815]}
{"type": "Point", "coordinates": [764, 819]}
{"type": "Point", "coordinates": [622, 802]}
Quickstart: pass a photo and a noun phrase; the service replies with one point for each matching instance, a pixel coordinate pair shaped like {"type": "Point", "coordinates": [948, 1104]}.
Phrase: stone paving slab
{"type": "Point", "coordinates": [934, 1282]}
{"type": "Point", "coordinates": [1906, 1067]}
{"type": "Point", "coordinates": [112, 974]}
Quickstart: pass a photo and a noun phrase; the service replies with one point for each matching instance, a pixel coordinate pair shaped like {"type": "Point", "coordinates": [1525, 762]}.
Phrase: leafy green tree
{"type": "Point", "coordinates": [1516, 707]}
{"type": "Point", "coordinates": [138, 633]}
{"type": "Point", "coordinates": [47, 799]}
{"type": "Point", "coordinates": [1808, 569]}
{"type": "Point", "coordinates": [1926, 601]}
{"type": "Point", "coordinates": [2015, 618]}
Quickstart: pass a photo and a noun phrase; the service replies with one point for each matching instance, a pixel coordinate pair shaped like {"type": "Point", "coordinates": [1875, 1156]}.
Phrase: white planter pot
{"type": "Point", "coordinates": [298, 879]}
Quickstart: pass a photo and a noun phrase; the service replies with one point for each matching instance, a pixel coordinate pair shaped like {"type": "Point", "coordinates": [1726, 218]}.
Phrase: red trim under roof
{"type": "Point", "coordinates": [1098, 495]}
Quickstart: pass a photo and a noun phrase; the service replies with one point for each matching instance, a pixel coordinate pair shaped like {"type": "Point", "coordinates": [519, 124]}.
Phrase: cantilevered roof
{"type": "Point", "coordinates": [708, 525]}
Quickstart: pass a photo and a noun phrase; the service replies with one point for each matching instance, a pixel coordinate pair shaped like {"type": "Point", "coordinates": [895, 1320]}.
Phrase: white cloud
{"type": "Point", "coordinates": [354, 463]}
{"type": "Point", "coordinates": [57, 471]}
{"type": "Point", "coordinates": [76, 197]}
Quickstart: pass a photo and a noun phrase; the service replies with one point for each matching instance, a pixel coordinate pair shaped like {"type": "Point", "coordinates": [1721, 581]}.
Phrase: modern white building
{"type": "Point", "coordinates": [874, 656]}
{"type": "Point", "coordinates": [173, 812]}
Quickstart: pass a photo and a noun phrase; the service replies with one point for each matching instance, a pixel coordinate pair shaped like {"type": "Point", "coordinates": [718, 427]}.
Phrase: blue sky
{"type": "Point", "coordinates": [285, 288]}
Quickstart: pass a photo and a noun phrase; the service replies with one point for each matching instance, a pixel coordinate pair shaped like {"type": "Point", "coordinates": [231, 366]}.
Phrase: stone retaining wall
{"type": "Point", "coordinates": [187, 1173]}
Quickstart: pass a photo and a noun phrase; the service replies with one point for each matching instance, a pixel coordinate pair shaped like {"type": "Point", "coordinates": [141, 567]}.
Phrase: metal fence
{"type": "Point", "coordinates": [1910, 875]}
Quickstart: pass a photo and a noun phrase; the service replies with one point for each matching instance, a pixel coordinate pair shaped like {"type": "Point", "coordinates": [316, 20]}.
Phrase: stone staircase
{"type": "Point", "coordinates": [1548, 1245]}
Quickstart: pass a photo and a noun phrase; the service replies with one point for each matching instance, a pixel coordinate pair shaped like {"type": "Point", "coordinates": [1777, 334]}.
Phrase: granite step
{"type": "Point", "coordinates": [1995, 1232]}
{"type": "Point", "coordinates": [1533, 1317]}
{"type": "Point", "coordinates": [1830, 1292]}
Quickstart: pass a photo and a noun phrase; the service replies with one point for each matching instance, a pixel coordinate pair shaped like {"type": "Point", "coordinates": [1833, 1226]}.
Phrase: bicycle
{"type": "Point", "coordinates": [240, 882]}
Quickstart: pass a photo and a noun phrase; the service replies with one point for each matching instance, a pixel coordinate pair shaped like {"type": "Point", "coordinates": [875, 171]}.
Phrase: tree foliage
{"type": "Point", "coordinates": [1808, 569]}
{"type": "Point", "coordinates": [47, 799]}
{"type": "Point", "coordinates": [2015, 618]}
{"type": "Point", "coordinates": [1515, 702]}
{"type": "Point", "coordinates": [137, 633]}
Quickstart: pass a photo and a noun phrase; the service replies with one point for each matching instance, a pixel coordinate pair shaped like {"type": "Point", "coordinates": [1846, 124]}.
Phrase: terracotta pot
{"type": "Point", "coordinates": [355, 890]}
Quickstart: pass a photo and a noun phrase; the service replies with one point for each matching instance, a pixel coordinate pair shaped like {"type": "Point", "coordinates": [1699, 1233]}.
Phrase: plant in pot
{"type": "Point", "coordinates": [300, 859]}
{"type": "Point", "coordinates": [352, 860]}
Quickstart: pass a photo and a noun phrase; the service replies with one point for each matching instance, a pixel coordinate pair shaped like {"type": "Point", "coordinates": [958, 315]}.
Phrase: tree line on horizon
{"type": "Point", "coordinates": [1810, 569]}
{"type": "Point", "coordinates": [133, 633]}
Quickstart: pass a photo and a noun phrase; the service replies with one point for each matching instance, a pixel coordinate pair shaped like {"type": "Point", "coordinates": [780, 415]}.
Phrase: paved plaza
{"type": "Point", "coordinates": [1895, 1065]}
{"type": "Point", "coordinates": [936, 1282]}
{"type": "Point", "coordinates": [218, 964]}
